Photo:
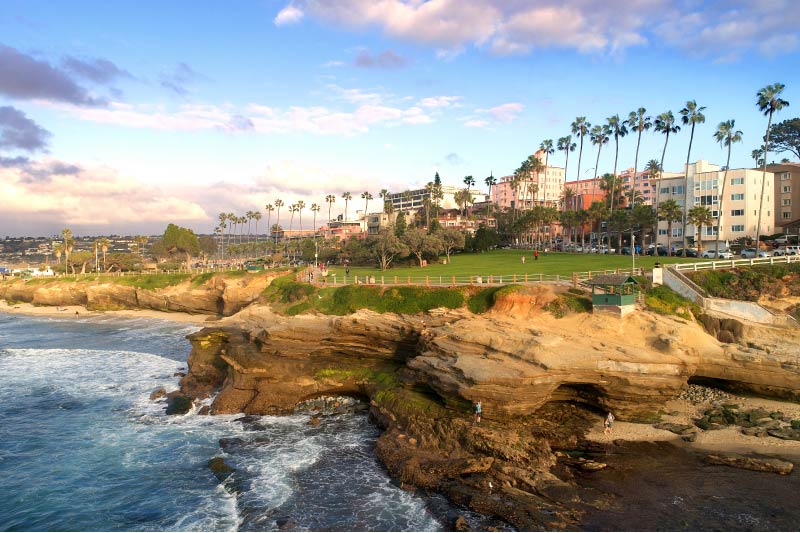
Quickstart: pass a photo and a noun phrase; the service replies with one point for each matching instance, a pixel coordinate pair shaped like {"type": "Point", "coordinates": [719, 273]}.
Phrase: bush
{"type": "Point", "coordinates": [568, 303]}
{"type": "Point", "coordinates": [483, 300]}
{"type": "Point", "coordinates": [665, 301]}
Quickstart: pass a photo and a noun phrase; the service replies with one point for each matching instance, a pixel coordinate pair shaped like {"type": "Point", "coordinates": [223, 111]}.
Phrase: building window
{"type": "Point", "coordinates": [677, 232]}
{"type": "Point", "coordinates": [678, 189]}
{"type": "Point", "coordinates": [737, 212]}
{"type": "Point", "coordinates": [787, 188]}
{"type": "Point", "coordinates": [737, 227]}
{"type": "Point", "coordinates": [787, 215]}
{"type": "Point", "coordinates": [739, 196]}
{"type": "Point", "coordinates": [737, 181]}
{"type": "Point", "coordinates": [787, 201]}
{"type": "Point", "coordinates": [785, 176]}
{"type": "Point", "coordinates": [664, 190]}
{"type": "Point", "coordinates": [662, 232]}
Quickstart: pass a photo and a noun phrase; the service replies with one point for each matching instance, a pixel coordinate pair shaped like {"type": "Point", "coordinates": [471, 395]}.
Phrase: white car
{"type": "Point", "coordinates": [750, 253]}
{"type": "Point", "coordinates": [712, 254]}
{"type": "Point", "coordinates": [787, 250]}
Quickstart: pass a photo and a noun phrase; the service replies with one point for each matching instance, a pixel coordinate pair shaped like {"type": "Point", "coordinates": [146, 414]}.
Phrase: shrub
{"type": "Point", "coordinates": [482, 300]}
{"type": "Point", "coordinates": [665, 301]}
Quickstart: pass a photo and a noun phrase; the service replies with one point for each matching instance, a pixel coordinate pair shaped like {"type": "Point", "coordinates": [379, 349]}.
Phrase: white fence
{"type": "Point", "coordinates": [734, 263]}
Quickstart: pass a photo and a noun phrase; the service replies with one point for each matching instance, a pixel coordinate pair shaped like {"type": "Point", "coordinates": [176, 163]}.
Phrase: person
{"type": "Point", "coordinates": [523, 259]}
{"type": "Point", "coordinates": [608, 425]}
{"type": "Point", "coordinates": [536, 255]}
{"type": "Point", "coordinates": [477, 412]}
{"type": "Point", "coordinates": [347, 269]}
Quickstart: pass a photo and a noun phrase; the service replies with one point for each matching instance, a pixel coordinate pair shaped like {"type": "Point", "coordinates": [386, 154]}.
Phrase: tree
{"type": "Point", "coordinates": [768, 101]}
{"type": "Point", "coordinates": [286, 238]}
{"type": "Point", "coordinates": [619, 220]}
{"type": "Point", "coordinates": [490, 182]}
{"type": "Point", "coordinates": [331, 199]}
{"type": "Point", "coordinates": [598, 136]}
{"type": "Point", "coordinates": [421, 243]}
{"type": "Point", "coordinates": [300, 206]}
{"type": "Point", "coordinates": [452, 239]}
{"type": "Point", "coordinates": [726, 135]}
{"type": "Point", "coordinates": [207, 246]}
{"type": "Point", "coordinates": [256, 217]}
{"type": "Point", "coordinates": [595, 214]}
{"type": "Point", "coordinates": [617, 128]}
{"type": "Point", "coordinates": [691, 114]}
{"type": "Point", "coordinates": [700, 216]}
{"type": "Point", "coordinates": [639, 122]}
{"type": "Point", "coordinates": [83, 258]}
{"type": "Point", "coordinates": [568, 198]}
{"type": "Point", "coordinates": [178, 240]}
{"type": "Point", "coordinates": [223, 218]}
{"type": "Point", "coordinates": [385, 246]}
{"type": "Point", "coordinates": [315, 209]}
{"type": "Point", "coordinates": [566, 145]}
{"type": "Point", "coordinates": [269, 208]}
{"type": "Point", "coordinates": [367, 196]}
{"type": "Point", "coordinates": [671, 212]}
{"type": "Point", "coordinates": [469, 181]}
{"type": "Point", "coordinates": [278, 205]}
{"type": "Point", "coordinates": [249, 216]}
{"type": "Point", "coordinates": [104, 244]}
{"type": "Point", "coordinates": [347, 197]}
{"type": "Point", "coordinates": [547, 148]}
{"type": "Point", "coordinates": [400, 224]}
{"type": "Point", "coordinates": [643, 216]}
{"type": "Point", "coordinates": [786, 136]}
{"type": "Point", "coordinates": [437, 193]}
{"type": "Point", "coordinates": [665, 123]}
{"type": "Point", "coordinates": [58, 249]}
{"type": "Point", "coordinates": [580, 128]}
{"type": "Point", "coordinates": [69, 243]}
{"type": "Point", "coordinates": [758, 156]}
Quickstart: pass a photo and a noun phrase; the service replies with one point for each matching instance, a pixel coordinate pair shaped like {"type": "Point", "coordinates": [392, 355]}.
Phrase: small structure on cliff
{"type": "Point", "coordinates": [615, 293]}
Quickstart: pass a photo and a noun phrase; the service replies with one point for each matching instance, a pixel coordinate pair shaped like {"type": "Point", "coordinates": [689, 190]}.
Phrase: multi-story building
{"type": "Point", "coordinates": [538, 188]}
{"type": "Point", "coordinates": [414, 199]}
{"type": "Point", "coordinates": [740, 206]}
{"type": "Point", "coordinates": [787, 193]}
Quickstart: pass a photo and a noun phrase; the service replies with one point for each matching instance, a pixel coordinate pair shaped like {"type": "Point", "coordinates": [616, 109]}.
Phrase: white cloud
{"type": "Point", "coordinates": [518, 27]}
{"type": "Point", "coordinates": [476, 123]}
{"type": "Point", "coordinates": [440, 101]}
{"type": "Point", "coordinates": [288, 15]}
{"type": "Point", "coordinates": [504, 113]}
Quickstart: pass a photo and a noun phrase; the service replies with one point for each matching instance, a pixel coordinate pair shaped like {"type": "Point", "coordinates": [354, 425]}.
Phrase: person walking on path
{"type": "Point", "coordinates": [536, 255]}
{"type": "Point", "coordinates": [608, 424]}
{"type": "Point", "coordinates": [523, 259]}
{"type": "Point", "coordinates": [477, 412]}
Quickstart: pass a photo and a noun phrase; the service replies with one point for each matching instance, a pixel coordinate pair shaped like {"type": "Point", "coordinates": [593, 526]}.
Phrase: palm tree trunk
{"type": "Point", "coordinates": [686, 193]}
{"type": "Point", "coordinates": [580, 156]}
{"type": "Point", "coordinates": [763, 183]}
{"type": "Point", "coordinates": [721, 198]}
{"type": "Point", "coordinates": [566, 164]}
{"type": "Point", "coordinates": [614, 179]}
{"type": "Point", "coordinates": [658, 183]}
{"type": "Point", "coordinates": [277, 221]}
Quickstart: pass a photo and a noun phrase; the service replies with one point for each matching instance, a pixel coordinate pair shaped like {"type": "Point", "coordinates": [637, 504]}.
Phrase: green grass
{"type": "Point", "coordinates": [405, 300]}
{"type": "Point", "coordinates": [665, 301]}
{"type": "Point", "coordinates": [151, 281]}
{"type": "Point", "coordinates": [507, 263]}
{"type": "Point", "coordinates": [569, 303]}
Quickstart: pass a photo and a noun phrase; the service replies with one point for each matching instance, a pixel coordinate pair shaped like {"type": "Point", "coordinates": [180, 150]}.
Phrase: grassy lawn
{"type": "Point", "coordinates": [509, 263]}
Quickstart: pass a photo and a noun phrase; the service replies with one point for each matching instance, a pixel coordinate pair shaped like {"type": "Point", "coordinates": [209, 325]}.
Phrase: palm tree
{"type": "Point", "coordinates": [547, 148]}
{"type": "Point", "coordinates": [617, 127]}
{"type": "Point", "coordinates": [256, 217]}
{"type": "Point", "coordinates": [758, 156]}
{"type": "Point", "coordinates": [292, 211]}
{"type": "Point", "coordinates": [638, 122]}
{"type": "Point", "coordinates": [269, 208]}
{"type": "Point", "coordinates": [141, 241]}
{"type": "Point", "coordinates": [104, 243]}
{"type": "Point", "coordinates": [69, 243]}
{"type": "Point", "coordinates": [242, 219]}
{"type": "Point", "coordinates": [407, 198]}
{"type": "Point", "coordinates": [367, 196]}
{"type": "Point", "coordinates": [598, 136]}
{"type": "Point", "coordinates": [278, 205]}
{"type": "Point", "coordinates": [515, 182]}
{"type": "Point", "coordinates": [726, 136]}
{"type": "Point", "coordinates": [231, 222]}
{"type": "Point", "coordinates": [384, 195]}
{"type": "Point", "coordinates": [671, 212]}
{"type": "Point", "coordinates": [347, 197]}
{"type": "Point", "coordinates": [653, 169]}
{"type": "Point", "coordinates": [490, 182]}
{"type": "Point", "coordinates": [249, 217]}
{"type": "Point", "coordinates": [582, 218]}
{"type": "Point", "coordinates": [315, 209]}
{"type": "Point", "coordinates": [580, 128]}
{"type": "Point", "coordinates": [768, 101]}
{"type": "Point", "coordinates": [534, 166]}
{"type": "Point", "coordinates": [700, 216]}
{"type": "Point", "coordinates": [691, 114]}
{"type": "Point", "coordinates": [566, 145]}
{"type": "Point", "coordinates": [300, 206]}
{"type": "Point", "coordinates": [595, 214]}
{"type": "Point", "coordinates": [469, 181]}
{"type": "Point", "coordinates": [58, 249]}
{"type": "Point", "coordinates": [222, 217]}
{"type": "Point", "coordinates": [567, 198]}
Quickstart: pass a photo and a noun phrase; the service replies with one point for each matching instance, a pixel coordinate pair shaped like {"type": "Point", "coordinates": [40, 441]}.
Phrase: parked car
{"type": "Point", "coordinates": [690, 252]}
{"type": "Point", "coordinates": [661, 250]}
{"type": "Point", "coordinates": [712, 254]}
{"type": "Point", "coordinates": [787, 250]}
{"type": "Point", "coordinates": [606, 250]}
{"type": "Point", "coordinates": [626, 250]}
{"type": "Point", "coordinates": [750, 253]}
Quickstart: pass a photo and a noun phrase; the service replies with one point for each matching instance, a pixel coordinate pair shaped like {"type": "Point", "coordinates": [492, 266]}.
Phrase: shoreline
{"type": "Point", "coordinates": [67, 311]}
{"type": "Point", "coordinates": [726, 440]}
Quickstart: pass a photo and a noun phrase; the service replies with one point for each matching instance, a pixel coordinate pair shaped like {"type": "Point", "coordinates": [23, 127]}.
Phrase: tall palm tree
{"type": "Point", "coordinates": [269, 208]}
{"type": "Point", "coordinates": [347, 197]}
{"type": "Point", "coordinates": [581, 128]}
{"type": "Point", "coordinates": [665, 123]}
{"type": "Point", "coordinates": [384, 195]}
{"type": "Point", "coordinates": [568, 198]}
{"type": "Point", "coordinates": [490, 182]}
{"type": "Point", "coordinates": [242, 220]}
{"type": "Point", "coordinates": [516, 181]}
{"type": "Point", "coordinates": [58, 249]}
{"type": "Point", "coordinates": [104, 243]}
{"type": "Point", "coordinates": [231, 222]}
{"type": "Point", "coordinates": [315, 209]}
{"type": "Point", "coordinates": [278, 205]}
{"type": "Point", "coordinates": [691, 114]}
{"type": "Point", "coordinates": [566, 145]}
{"type": "Point", "coordinates": [639, 122]}
{"type": "Point", "coordinates": [292, 211]}
{"type": "Point", "coordinates": [598, 136]}
{"type": "Point", "coordinates": [257, 216]}
{"type": "Point", "coordinates": [768, 101]}
{"type": "Point", "coordinates": [249, 217]}
{"type": "Point", "coordinates": [700, 216]}
{"type": "Point", "coordinates": [535, 167]}
{"type": "Point", "coordinates": [726, 135]}
{"type": "Point", "coordinates": [331, 199]}
{"type": "Point", "coordinates": [671, 212]}
{"type": "Point", "coordinates": [223, 218]}
{"type": "Point", "coordinates": [69, 243]}
{"type": "Point", "coordinates": [300, 205]}
{"type": "Point", "coordinates": [653, 169]}
{"type": "Point", "coordinates": [617, 128]}
{"type": "Point", "coordinates": [547, 148]}
{"type": "Point", "coordinates": [367, 196]}
{"type": "Point", "coordinates": [469, 181]}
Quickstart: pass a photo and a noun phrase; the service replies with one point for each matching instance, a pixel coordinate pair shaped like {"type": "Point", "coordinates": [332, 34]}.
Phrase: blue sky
{"type": "Point", "coordinates": [123, 116]}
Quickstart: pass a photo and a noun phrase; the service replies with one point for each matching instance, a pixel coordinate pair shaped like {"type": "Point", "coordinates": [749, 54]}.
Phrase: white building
{"type": "Point", "coordinates": [413, 200]}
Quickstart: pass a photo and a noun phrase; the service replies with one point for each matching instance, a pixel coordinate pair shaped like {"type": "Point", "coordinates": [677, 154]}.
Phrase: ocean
{"type": "Point", "coordinates": [83, 448]}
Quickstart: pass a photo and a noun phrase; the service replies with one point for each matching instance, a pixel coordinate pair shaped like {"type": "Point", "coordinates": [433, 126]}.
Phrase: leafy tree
{"type": "Point", "coordinates": [83, 258]}
{"type": "Point", "coordinates": [420, 243]}
{"type": "Point", "coordinates": [385, 246]}
{"type": "Point", "coordinates": [768, 101]}
{"type": "Point", "coordinates": [178, 240]}
{"type": "Point", "coordinates": [400, 224]}
{"type": "Point", "coordinates": [700, 216]}
{"type": "Point", "coordinates": [207, 245]}
{"type": "Point", "coordinates": [483, 240]}
{"type": "Point", "coordinates": [785, 136]}
{"type": "Point", "coordinates": [671, 212]}
{"type": "Point", "coordinates": [452, 239]}
{"type": "Point", "coordinates": [122, 261]}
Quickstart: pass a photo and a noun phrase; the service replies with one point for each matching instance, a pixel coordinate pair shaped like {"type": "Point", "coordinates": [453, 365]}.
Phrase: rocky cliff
{"type": "Point", "coordinates": [421, 374]}
{"type": "Point", "coordinates": [220, 295]}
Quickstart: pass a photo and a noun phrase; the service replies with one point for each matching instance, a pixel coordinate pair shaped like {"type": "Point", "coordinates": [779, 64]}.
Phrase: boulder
{"type": "Point", "coordinates": [220, 468]}
{"type": "Point", "coordinates": [160, 392]}
{"type": "Point", "coordinates": [678, 429]}
{"type": "Point", "coordinates": [785, 433]}
{"type": "Point", "coordinates": [760, 464]}
{"type": "Point", "coordinates": [178, 403]}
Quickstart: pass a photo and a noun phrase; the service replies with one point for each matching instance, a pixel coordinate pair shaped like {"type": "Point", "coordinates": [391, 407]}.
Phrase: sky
{"type": "Point", "coordinates": [121, 117]}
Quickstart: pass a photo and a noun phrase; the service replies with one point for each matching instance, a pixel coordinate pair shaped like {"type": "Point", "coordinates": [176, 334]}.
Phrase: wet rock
{"type": "Point", "coordinates": [178, 374]}
{"type": "Point", "coordinates": [314, 421]}
{"type": "Point", "coordinates": [286, 523]}
{"type": "Point", "coordinates": [158, 393]}
{"type": "Point", "coordinates": [205, 410]}
{"type": "Point", "coordinates": [178, 403]}
{"type": "Point", "coordinates": [230, 442]}
{"type": "Point", "coordinates": [755, 431]}
{"type": "Point", "coordinates": [786, 433]}
{"type": "Point", "coordinates": [689, 437]}
{"type": "Point", "coordinates": [461, 524]}
{"type": "Point", "coordinates": [678, 429]}
{"type": "Point", "coordinates": [592, 466]}
{"type": "Point", "coordinates": [760, 464]}
{"type": "Point", "coordinates": [220, 468]}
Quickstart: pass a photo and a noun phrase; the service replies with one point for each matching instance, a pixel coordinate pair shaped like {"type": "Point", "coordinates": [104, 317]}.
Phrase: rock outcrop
{"type": "Point", "coordinates": [421, 374]}
{"type": "Point", "coordinates": [219, 295]}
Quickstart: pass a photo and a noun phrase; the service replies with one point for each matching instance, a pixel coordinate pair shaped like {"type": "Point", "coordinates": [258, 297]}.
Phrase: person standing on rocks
{"type": "Point", "coordinates": [608, 424]}
{"type": "Point", "coordinates": [477, 412]}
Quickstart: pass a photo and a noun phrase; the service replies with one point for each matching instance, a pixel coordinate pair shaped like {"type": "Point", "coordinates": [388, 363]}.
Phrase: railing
{"type": "Point", "coordinates": [734, 263]}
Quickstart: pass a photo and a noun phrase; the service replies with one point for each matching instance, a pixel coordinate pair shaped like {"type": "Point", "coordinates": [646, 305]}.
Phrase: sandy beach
{"type": "Point", "coordinates": [67, 311]}
{"type": "Point", "coordinates": [729, 439]}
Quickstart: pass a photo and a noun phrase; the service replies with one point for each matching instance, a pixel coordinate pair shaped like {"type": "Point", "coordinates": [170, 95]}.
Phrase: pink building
{"type": "Point", "coordinates": [540, 188]}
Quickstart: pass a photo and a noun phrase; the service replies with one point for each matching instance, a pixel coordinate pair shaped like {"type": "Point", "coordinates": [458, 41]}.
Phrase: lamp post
{"type": "Point", "coordinates": [633, 254]}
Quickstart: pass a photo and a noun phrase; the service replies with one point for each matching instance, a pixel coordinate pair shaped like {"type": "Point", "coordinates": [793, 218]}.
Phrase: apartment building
{"type": "Point", "coordinates": [538, 188]}
{"type": "Point", "coordinates": [414, 199]}
{"type": "Point", "coordinates": [740, 206]}
{"type": "Point", "coordinates": [787, 193]}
